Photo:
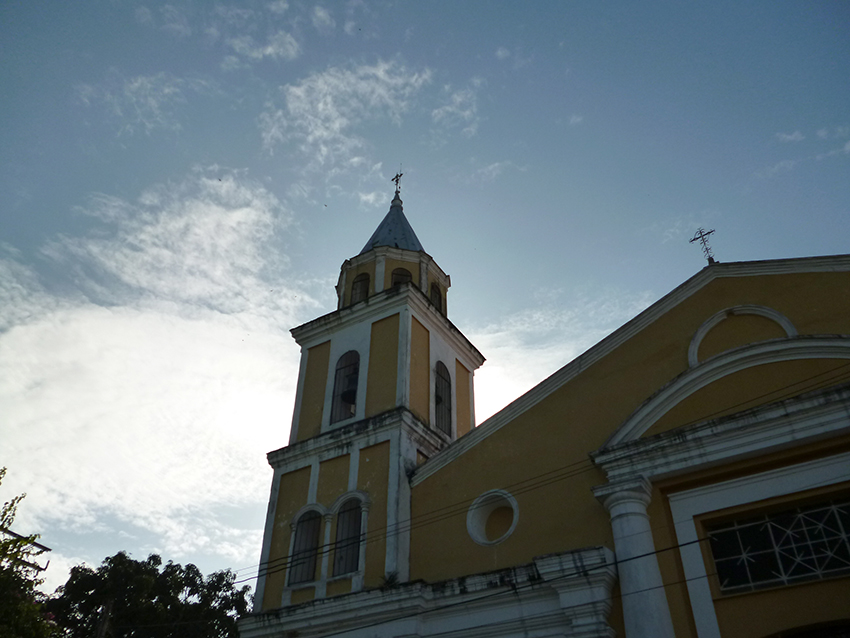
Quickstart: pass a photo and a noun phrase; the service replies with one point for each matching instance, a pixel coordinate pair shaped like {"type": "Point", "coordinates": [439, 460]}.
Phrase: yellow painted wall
{"type": "Point", "coordinates": [383, 366]}
{"type": "Point", "coordinates": [373, 478]}
{"type": "Point", "coordinates": [463, 401]}
{"type": "Point", "coordinates": [292, 496]}
{"type": "Point", "coordinates": [552, 439]}
{"type": "Point", "coordinates": [392, 264]}
{"type": "Point", "coordinates": [420, 371]}
{"type": "Point", "coordinates": [738, 330]}
{"type": "Point", "coordinates": [313, 394]}
{"type": "Point", "coordinates": [333, 480]}
{"type": "Point", "coordinates": [337, 587]}
{"type": "Point", "coordinates": [367, 267]}
{"type": "Point", "coordinates": [303, 595]}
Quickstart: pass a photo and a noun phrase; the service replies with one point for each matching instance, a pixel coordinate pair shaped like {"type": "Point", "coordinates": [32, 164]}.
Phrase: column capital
{"type": "Point", "coordinates": [636, 490]}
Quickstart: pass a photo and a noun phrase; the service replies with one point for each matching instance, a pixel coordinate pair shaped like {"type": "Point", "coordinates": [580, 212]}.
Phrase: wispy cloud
{"type": "Point", "coordinates": [159, 382]}
{"type": "Point", "coordinates": [576, 119]}
{"type": "Point", "coordinates": [279, 46]}
{"type": "Point", "coordinates": [502, 53]}
{"type": "Point", "coordinates": [322, 19]}
{"type": "Point", "coordinates": [490, 172]}
{"type": "Point", "coordinates": [321, 114]}
{"type": "Point", "coordinates": [796, 136]}
{"type": "Point", "coordinates": [144, 103]}
{"type": "Point", "coordinates": [460, 110]}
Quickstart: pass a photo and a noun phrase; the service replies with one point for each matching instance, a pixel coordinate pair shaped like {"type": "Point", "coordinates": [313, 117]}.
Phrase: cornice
{"type": "Point", "coordinates": [808, 417]}
{"type": "Point", "coordinates": [718, 270]}
{"type": "Point", "coordinates": [381, 305]}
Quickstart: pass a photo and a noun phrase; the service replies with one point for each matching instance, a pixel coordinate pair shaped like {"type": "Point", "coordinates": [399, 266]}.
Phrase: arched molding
{"type": "Point", "coordinates": [748, 309]}
{"type": "Point", "coordinates": [719, 366]}
{"type": "Point", "coordinates": [361, 496]}
{"type": "Point", "coordinates": [310, 507]}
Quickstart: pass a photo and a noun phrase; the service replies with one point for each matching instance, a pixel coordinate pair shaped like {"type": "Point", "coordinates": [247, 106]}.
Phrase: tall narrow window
{"type": "Point", "coordinates": [305, 549]}
{"type": "Point", "coordinates": [344, 404]}
{"type": "Point", "coordinates": [437, 296]}
{"type": "Point", "coordinates": [360, 288]}
{"type": "Point", "coordinates": [443, 399]}
{"type": "Point", "coordinates": [347, 552]}
{"type": "Point", "coordinates": [401, 276]}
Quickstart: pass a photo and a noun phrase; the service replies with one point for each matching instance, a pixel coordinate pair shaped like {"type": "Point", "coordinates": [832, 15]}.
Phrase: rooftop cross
{"type": "Point", "coordinates": [702, 236]}
{"type": "Point", "coordinates": [397, 180]}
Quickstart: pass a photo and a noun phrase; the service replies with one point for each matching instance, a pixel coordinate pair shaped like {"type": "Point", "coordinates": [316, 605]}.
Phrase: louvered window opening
{"type": "Point", "coordinates": [305, 549]}
{"type": "Point", "coordinates": [347, 552]}
{"type": "Point", "coordinates": [401, 276]}
{"type": "Point", "coordinates": [782, 548]}
{"type": "Point", "coordinates": [443, 399]}
{"type": "Point", "coordinates": [437, 297]}
{"type": "Point", "coordinates": [360, 288]}
{"type": "Point", "coordinates": [344, 405]}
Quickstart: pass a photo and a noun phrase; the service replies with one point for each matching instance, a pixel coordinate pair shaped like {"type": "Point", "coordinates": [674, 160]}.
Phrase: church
{"type": "Point", "coordinates": [688, 475]}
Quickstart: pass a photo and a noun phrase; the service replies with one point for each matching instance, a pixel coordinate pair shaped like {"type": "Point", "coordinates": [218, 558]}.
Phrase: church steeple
{"type": "Point", "coordinates": [394, 231]}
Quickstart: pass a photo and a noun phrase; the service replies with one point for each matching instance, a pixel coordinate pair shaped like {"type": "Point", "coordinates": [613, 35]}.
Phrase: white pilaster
{"type": "Point", "coordinates": [380, 269]}
{"type": "Point", "coordinates": [645, 608]}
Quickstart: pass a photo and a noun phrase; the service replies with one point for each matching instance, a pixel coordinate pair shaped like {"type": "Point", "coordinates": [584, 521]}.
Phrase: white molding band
{"type": "Point", "coordinates": [687, 505]}
{"type": "Point", "coordinates": [748, 309]}
{"type": "Point", "coordinates": [694, 379]}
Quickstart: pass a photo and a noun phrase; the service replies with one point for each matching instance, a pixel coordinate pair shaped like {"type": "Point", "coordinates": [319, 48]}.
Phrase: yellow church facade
{"type": "Point", "coordinates": [689, 475]}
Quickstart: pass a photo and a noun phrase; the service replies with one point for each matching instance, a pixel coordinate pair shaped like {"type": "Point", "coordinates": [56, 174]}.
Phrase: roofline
{"type": "Point", "coordinates": [717, 270]}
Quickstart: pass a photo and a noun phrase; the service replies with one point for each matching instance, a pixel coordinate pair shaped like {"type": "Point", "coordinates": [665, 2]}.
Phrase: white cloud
{"type": "Point", "coordinates": [278, 6]}
{"type": "Point", "coordinates": [576, 119]}
{"type": "Point", "coordinates": [321, 113]}
{"type": "Point", "coordinates": [502, 53]}
{"type": "Point", "coordinates": [490, 172]}
{"type": "Point", "coordinates": [822, 133]}
{"type": "Point", "coordinates": [780, 167]}
{"type": "Point", "coordinates": [322, 19]}
{"type": "Point", "coordinates": [460, 110]}
{"type": "Point", "coordinates": [143, 403]}
{"type": "Point", "coordinates": [279, 46]}
{"type": "Point", "coordinates": [796, 136]}
{"type": "Point", "coordinates": [144, 103]}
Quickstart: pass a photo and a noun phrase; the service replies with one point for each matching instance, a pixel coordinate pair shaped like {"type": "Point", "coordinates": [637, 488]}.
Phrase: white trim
{"type": "Point", "coordinates": [299, 395]}
{"type": "Point", "coordinates": [402, 386]}
{"type": "Point", "coordinates": [831, 263]}
{"type": "Point", "coordinates": [391, 556]}
{"type": "Point", "coordinates": [313, 489]}
{"type": "Point", "coordinates": [687, 505]}
{"type": "Point", "coordinates": [721, 365]}
{"type": "Point", "coordinates": [353, 466]}
{"type": "Point", "coordinates": [747, 309]}
{"type": "Point", "coordinates": [380, 273]}
{"type": "Point", "coordinates": [268, 530]}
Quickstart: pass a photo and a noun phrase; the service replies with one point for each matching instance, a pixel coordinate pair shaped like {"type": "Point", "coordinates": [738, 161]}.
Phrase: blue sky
{"type": "Point", "coordinates": [181, 182]}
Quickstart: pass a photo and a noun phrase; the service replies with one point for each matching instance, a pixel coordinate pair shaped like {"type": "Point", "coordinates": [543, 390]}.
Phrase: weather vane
{"type": "Point", "coordinates": [397, 180]}
{"type": "Point", "coordinates": [702, 236]}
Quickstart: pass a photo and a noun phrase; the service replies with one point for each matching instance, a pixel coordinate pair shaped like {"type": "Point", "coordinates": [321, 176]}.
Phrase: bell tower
{"type": "Point", "coordinates": [385, 382]}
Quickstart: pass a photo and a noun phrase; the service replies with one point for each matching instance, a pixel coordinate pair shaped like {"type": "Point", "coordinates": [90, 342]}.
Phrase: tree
{"type": "Point", "coordinates": [144, 599]}
{"type": "Point", "coordinates": [21, 604]}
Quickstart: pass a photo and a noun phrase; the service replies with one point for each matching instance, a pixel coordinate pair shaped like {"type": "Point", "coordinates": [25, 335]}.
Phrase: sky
{"type": "Point", "coordinates": [181, 182]}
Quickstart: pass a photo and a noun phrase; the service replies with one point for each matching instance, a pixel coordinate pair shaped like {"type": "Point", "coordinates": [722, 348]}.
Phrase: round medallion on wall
{"type": "Point", "coordinates": [492, 517]}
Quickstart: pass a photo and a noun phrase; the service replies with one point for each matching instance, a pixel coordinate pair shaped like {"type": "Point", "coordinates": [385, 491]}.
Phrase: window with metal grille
{"type": "Point", "coordinates": [305, 549]}
{"type": "Point", "coordinates": [805, 543]}
{"type": "Point", "coordinates": [443, 399]}
{"type": "Point", "coordinates": [401, 276]}
{"type": "Point", "coordinates": [347, 552]}
{"type": "Point", "coordinates": [360, 288]}
{"type": "Point", "coordinates": [437, 296]}
{"type": "Point", "coordinates": [344, 404]}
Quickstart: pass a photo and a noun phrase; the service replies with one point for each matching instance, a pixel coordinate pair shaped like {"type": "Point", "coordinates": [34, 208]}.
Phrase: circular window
{"type": "Point", "coordinates": [492, 517]}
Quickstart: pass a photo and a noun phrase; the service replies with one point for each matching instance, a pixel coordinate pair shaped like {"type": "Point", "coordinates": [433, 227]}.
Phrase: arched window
{"type": "Point", "coordinates": [344, 404]}
{"type": "Point", "coordinates": [347, 552]}
{"type": "Point", "coordinates": [401, 276]}
{"type": "Point", "coordinates": [437, 296]}
{"type": "Point", "coordinates": [360, 288]}
{"type": "Point", "coordinates": [305, 549]}
{"type": "Point", "coordinates": [443, 399]}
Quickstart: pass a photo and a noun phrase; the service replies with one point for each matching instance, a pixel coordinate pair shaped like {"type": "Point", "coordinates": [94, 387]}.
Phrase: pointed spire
{"type": "Point", "coordinates": [394, 231]}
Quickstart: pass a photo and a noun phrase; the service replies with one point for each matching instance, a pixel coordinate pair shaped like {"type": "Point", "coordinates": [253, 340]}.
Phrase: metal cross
{"type": "Point", "coordinates": [397, 180]}
{"type": "Point", "coordinates": [702, 236]}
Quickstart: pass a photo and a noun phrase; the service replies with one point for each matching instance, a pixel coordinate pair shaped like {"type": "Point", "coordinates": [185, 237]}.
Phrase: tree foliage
{"type": "Point", "coordinates": [21, 612]}
{"type": "Point", "coordinates": [144, 599]}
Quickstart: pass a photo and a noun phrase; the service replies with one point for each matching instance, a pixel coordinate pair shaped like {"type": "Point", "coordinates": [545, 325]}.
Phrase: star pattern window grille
{"type": "Point", "coordinates": [810, 542]}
